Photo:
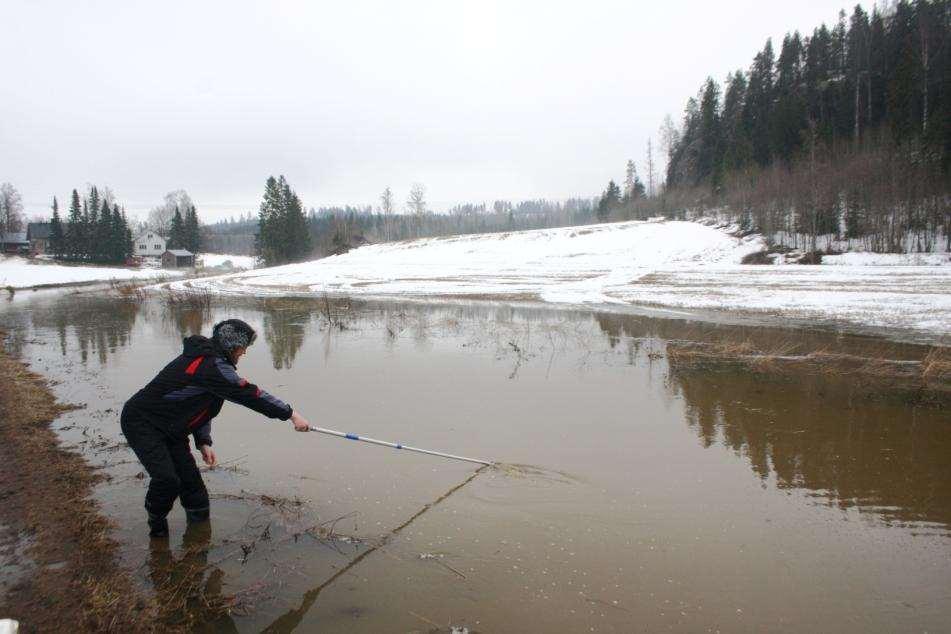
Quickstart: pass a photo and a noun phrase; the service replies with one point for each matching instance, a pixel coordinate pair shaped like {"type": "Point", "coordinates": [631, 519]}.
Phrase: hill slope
{"type": "Point", "coordinates": [660, 263]}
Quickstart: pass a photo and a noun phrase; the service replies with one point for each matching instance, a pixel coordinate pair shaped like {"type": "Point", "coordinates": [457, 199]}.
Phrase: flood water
{"type": "Point", "coordinates": [646, 498]}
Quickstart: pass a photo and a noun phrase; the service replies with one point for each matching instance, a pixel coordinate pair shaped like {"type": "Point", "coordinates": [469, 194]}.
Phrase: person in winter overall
{"type": "Point", "coordinates": [181, 401]}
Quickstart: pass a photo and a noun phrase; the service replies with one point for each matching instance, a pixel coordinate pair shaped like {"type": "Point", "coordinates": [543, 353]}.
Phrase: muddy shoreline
{"type": "Point", "coordinates": [52, 530]}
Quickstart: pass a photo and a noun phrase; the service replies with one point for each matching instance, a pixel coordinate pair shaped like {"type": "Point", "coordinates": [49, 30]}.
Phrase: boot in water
{"type": "Point", "coordinates": [158, 526]}
{"type": "Point", "coordinates": [197, 515]}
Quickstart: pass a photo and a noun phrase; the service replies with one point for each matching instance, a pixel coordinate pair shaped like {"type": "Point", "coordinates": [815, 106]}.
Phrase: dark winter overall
{"type": "Point", "coordinates": [181, 400]}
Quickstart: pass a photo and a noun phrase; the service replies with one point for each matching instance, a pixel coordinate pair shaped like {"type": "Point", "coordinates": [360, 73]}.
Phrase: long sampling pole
{"type": "Point", "coordinates": [395, 445]}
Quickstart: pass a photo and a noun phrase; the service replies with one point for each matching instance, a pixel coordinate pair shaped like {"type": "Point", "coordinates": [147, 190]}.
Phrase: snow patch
{"type": "Point", "coordinates": [866, 258]}
{"type": "Point", "coordinates": [210, 260]}
{"type": "Point", "coordinates": [17, 272]}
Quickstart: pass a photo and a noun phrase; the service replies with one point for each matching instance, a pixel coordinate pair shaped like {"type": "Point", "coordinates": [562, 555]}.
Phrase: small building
{"type": "Point", "coordinates": [38, 234]}
{"type": "Point", "coordinates": [177, 259]}
{"type": "Point", "coordinates": [14, 243]}
{"type": "Point", "coordinates": [149, 245]}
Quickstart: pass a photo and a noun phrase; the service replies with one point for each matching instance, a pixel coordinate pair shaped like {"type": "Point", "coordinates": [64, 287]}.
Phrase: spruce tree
{"type": "Point", "coordinates": [736, 147]}
{"type": "Point", "coordinates": [73, 242]}
{"type": "Point", "coordinates": [877, 71]}
{"type": "Point", "coordinates": [858, 71]}
{"type": "Point", "coordinates": [176, 234]}
{"type": "Point", "coordinates": [610, 200]}
{"type": "Point", "coordinates": [297, 235]}
{"type": "Point", "coordinates": [283, 229]}
{"type": "Point", "coordinates": [90, 232]}
{"type": "Point", "coordinates": [57, 236]}
{"type": "Point", "coordinates": [708, 159]}
{"type": "Point", "coordinates": [270, 224]}
{"type": "Point", "coordinates": [817, 79]}
{"type": "Point", "coordinates": [104, 235]}
{"type": "Point", "coordinates": [84, 232]}
{"type": "Point", "coordinates": [903, 75]}
{"type": "Point", "coordinates": [192, 231]}
{"type": "Point", "coordinates": [759, 99]}
{"type": "Point", "coordinates": [789, 111]}
{"type": "Point", "coordinates": [125, 234]}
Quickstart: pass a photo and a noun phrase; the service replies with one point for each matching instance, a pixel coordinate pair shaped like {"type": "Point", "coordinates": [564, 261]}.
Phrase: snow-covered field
{"type": "Point", "coordinates": [658, 263]}
{"type": "Point", "coordinates": [210, 260]}
{"type": "Point", "coordinates": [17, 272]}
{"type": "Point", "coordinates": [865, 258]}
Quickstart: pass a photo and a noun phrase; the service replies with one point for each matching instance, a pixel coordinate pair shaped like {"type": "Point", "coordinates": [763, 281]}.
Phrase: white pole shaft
{"type": "Point", "coordinates": [395, 445]}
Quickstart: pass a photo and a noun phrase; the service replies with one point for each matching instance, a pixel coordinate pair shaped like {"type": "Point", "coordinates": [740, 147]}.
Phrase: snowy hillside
{"type": "Point", "coordinates": [659, 263]}
{"type": "Point", "coordinates": [17, 272]}
{"type": "Point", "coordinates": [574, 264]}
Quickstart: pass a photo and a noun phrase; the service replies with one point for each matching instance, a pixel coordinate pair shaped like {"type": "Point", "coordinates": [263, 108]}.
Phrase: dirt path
{"type": "Point", "coordinates": [50, 528]}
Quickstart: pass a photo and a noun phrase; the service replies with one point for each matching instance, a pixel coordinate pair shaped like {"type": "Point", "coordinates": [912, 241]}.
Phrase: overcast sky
{"type": "Point", "coordinates": [476, 100]}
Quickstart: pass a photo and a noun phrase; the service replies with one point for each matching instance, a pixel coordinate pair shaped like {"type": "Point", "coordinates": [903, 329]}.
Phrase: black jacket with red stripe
{"type": "Point", "coordinates": [188, 392]}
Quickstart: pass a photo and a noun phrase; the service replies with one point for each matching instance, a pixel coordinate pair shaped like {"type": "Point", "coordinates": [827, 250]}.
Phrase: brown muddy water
{"type": "Point", "coordinates": [647, 498]}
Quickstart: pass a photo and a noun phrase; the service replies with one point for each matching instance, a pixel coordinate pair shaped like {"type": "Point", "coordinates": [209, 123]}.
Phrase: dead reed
{"type": "Point", "coordinates": [929, 377]}
{"type": "Point", "coordinates": [129, 290]}
{"type": "Point", "coordinates": [335, 311]}
{"type": "Point", "coordinates": [198, 299]}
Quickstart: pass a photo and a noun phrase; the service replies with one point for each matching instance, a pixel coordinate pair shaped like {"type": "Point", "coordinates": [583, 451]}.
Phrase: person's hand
{"type": "Point", "coordinates": [208, 455]}
{"type": "Point", "coordinates": [300, 423]}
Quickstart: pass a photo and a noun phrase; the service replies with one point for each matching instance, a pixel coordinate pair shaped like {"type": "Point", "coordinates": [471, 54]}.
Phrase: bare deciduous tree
{"type": "Point", "coordinates": [417, 204]}
{"type": "Point", "coordinates": [669, 135]}
{"type": "Point", "coordinates": [11, 210]}
{"type": "Point", "coordinates": [630, 176]}
{"type": "Point", "coordinates": [650, 169]}
{"type": "Point", "coordinates": [160, 218]}
{"type": "Point", "coordinates": [386, 206]}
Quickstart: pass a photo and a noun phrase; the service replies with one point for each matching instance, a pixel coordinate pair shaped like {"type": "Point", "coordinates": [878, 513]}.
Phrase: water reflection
{"type": "Point", "coordinates": [101, 325]}
{"type": "Point", "coordinates": [285, 327]}
{"type": "Point", "coordinates": [14, 330]}
{"type": "Point", "coordinates": [188, 320]}
{"type": "Point", "coordinates": [186, 586]}
{"type": "Point", "coordinates": [811, 433]}
{"type": "Point", "coordinates": [619, 326]}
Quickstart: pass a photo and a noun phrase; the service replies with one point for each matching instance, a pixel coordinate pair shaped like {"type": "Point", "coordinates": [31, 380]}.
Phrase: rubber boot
{"type": "Point", "coordinates": [197, 515]}
{"type": "Point", "coordinates": [158, 526]}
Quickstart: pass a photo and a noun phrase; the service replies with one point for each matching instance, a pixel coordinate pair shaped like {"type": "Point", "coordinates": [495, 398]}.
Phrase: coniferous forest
{"type": "Point", "coordinates": [95, 230]}
{"type": "Point", "coordinates": [184, 232]}
{"type": "Point", "coordinates": [844, 133]}
{"type": "Point", "coordinates": [283, 234]}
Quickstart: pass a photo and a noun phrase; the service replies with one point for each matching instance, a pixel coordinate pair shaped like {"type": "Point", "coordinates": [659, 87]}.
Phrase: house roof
{"type": "Point", "coordinates": [38, 230]}
{"type": "Point", "coordinates": [17, 237]}
{"type": "Point", "coordinates": [180, 252]}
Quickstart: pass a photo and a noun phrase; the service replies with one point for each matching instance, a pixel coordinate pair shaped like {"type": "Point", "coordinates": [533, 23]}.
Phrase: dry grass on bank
{"type": "Point", "coordinates": [129, 290]}
{"type": "Point", "coordinates": [194, 299]}
{"type": "Point", "coordinates": [929, 377]}
{"type": "Point", "coordinates": [75, 580]}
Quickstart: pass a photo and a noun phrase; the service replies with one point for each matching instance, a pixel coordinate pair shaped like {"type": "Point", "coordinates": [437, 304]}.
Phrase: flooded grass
{"type": "Point", "coordinates": [129, 289]}
{"type": "Point", "coordinates": [926, 380]}
{"type": "Point", "coordinates": [194, 299]}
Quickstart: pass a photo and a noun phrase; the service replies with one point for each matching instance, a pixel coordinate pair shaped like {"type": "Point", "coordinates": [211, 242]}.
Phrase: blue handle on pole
{"type": "Point", "coordinates": [396, 445]}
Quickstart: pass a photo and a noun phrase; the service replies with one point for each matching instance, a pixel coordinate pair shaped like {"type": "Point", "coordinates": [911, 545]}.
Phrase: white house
{"type": "Point", "coordinates": [149, 245]}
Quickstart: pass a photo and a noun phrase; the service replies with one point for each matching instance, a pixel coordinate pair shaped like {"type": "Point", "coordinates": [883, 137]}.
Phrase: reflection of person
{"type": "Point", "coordinates": [169, 576]}
{"type": "Point", "coordinates": [181, 400]}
